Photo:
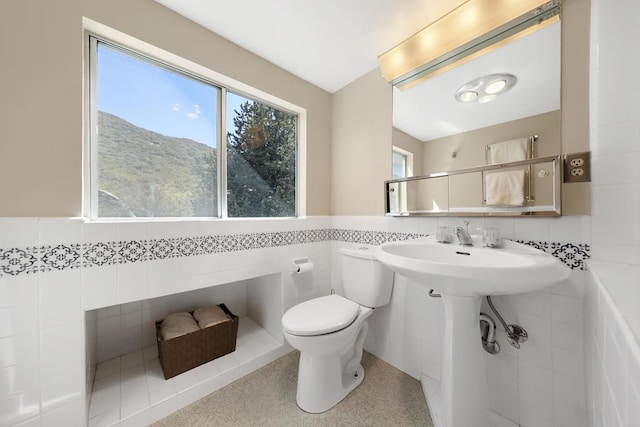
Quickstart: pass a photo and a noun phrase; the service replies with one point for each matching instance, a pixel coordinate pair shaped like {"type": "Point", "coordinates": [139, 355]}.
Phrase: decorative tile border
{"type": "Point", "coordinates": [28, 260]}
{"type": "Point", "coordinates": [572, 255]}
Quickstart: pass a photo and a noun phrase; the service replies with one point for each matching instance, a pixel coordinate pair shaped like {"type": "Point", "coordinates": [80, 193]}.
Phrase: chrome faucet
{"type": "Point", "coordinates": [464, 238]}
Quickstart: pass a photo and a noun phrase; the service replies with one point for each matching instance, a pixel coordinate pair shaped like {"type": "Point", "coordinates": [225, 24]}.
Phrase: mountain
{"type": "Point", "coordinates": [146, 174]}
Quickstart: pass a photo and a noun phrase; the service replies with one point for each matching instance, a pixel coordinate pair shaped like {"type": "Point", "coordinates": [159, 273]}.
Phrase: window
{"type": "Point", "coordinates": [261, 154]}
{"type": "Point", "coordinates": [402, 163]}
{"type": "Point", "coordinates": [158, 139]}
{"type": "Point", "coordinates": [401, 167]}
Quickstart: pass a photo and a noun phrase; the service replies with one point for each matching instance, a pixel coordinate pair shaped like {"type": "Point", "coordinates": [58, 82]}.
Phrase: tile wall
{"type": "Point", "coordinates": [53, 280]}
{"type": "Point", "coordinates": [612, 313]}
{"type": "Point", "coordinates": [60, 276]}
{"type": "Point", "coordinates": [612, 305]}
{"type": "Point", "coordinates": [615, 130]}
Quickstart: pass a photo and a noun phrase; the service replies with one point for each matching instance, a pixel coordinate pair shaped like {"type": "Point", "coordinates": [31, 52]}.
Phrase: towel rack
{"type": "Point", "coordinates": [530, 151]}
{"type": "Point", "coordinates": [530, 154]}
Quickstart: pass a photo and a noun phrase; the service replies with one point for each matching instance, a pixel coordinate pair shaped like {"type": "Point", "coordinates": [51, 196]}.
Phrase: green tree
{"type": "Point", "coordinates": [261, 159]}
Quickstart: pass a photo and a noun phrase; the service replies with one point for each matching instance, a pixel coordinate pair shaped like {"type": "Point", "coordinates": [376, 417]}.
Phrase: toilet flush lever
{"type": "Point", "coordinates": [434, 294]}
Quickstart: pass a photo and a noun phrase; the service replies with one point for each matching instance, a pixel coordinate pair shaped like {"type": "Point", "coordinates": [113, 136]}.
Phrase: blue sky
{"type": "Point", "coordinates": [157, 99]}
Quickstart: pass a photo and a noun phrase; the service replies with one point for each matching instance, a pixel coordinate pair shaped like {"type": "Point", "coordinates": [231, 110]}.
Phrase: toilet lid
{"type": "Point", "coordinates": [320, 316]}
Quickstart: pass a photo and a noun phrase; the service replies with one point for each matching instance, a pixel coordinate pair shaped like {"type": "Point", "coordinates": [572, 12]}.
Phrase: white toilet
{"type": "Point", "coordinates": [330, 331]}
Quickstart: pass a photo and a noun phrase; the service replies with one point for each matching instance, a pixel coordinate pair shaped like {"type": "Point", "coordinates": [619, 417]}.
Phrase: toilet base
{"type": "Point", "coordinates": [319, 392]}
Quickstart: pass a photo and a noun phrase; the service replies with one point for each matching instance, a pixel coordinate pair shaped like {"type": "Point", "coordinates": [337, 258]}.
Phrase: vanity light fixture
{"type": "Point", "coordinates": [468, 31]}
{"type": "Point", "coordinates": [486, 88]}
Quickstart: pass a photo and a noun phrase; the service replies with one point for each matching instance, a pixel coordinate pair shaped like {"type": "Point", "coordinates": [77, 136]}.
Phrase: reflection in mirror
{"type": "Point", "coordinates": [453, 134]}
{"type": "Point", "coordinates": [460, 119]}
{"type": "Point", "coordinates": [527, 187]}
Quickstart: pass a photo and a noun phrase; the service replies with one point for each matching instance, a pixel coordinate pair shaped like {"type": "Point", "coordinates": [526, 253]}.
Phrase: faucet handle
{"type": "Point", "coordinates": [491, 238]}
{"type": "Point", "coordinates": [443, 235]}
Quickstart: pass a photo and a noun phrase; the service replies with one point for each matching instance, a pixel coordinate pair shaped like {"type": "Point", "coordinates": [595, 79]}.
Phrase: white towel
{"type": "Point", "coordinates": [505, 188]}
{"type": "Point", "coordinates": [508, 151]}
{"type": "Point", "coordinates": [209, 316]}
{"type": "Point", "coordinates": [177, 324]}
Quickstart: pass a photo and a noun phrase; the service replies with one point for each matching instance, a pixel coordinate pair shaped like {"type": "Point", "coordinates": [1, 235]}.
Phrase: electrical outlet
{"type": "Point", "coordinates": [577, 167]}
{"type": "Point", "coordinates": [575, 163]}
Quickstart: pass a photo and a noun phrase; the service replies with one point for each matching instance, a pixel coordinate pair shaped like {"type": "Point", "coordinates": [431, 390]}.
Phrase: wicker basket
{"type": "Point", "coordinates": [178, 355]}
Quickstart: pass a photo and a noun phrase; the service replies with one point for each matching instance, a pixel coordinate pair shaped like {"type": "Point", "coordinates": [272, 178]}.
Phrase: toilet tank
{"type": "Point", "coordinates": [365, 280]}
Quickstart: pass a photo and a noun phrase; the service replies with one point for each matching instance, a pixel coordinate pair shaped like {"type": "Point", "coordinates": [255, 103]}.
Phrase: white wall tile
{"type": "Point", "coordinates": [94, 232]}
{"type": "Point", "coordinates": [19, 407]}
{"type": "Point", "coordinates": [568, 363]}
{"type": "Point", "coordinates": [536, 229]}
{"type": "Point", "coordinates": [567, 309]}
{"type": "Point", "coordinates": [61, 368]}
{"type": "Point", "coordinates": [60, 298]}
{"type": "Point", "coordinates": [71, 414]}
{"type": "Point", "coordinates": [536, 303]}
{"type": "Point", "coordinates": [19, 290]}
{"type": "Point", "coordinates": [536, 408]}
{"type": "Point", "coordinates": [535, 377]}
{"type": "Point", "coordinates": [99, 287]}
{"type": "Point", "coordinates": [567, 335]}
{"type": "Point", "coordinates": [132, 282]}
{"type": "Point", "coordinates": [569, 390]}
{"type": "Point", "coordinates": [572, 287]}
{"type": "Point", "coordinates": [18, 232]}
{"type": "Point", "coordinates": [19, 378]}
{"type": "Point", "coordinates": [616, 229]}
{"type": "Point", "coordinates": [616, 252]}
{"type": "Point", "coordinates": [618, 199]}
{"type": "Point", "coordinates": [537, 353]}
{"type": "Point", "coordinates": [565, 414]}
{"type": "Point", "coordinates": [573, 228]}
{"type": "Point", "coordinates": [19, 320]}
{"type": "Point", "coordinates": [33, 422]}
{"type": "Point", "coordinates": [53, 231]}
{"type": "Point", "coordinates": [108, 325]}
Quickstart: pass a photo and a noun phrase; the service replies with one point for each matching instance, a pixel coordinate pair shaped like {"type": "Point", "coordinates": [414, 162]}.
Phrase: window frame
{"type": "Point", "coordinates": [408, 160]}
{"type": "Point", "coordinates": [97, 33]}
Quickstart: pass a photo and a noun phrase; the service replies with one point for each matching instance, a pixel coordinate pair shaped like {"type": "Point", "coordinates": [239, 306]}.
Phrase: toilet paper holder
{"type": "Point", "coordinates": [302, 265]}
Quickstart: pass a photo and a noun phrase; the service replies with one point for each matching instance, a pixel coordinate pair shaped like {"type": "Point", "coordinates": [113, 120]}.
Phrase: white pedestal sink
{"type": "Point", "coordinates": [464, 275]}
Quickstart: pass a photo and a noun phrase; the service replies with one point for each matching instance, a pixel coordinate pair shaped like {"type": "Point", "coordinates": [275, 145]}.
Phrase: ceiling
{"type": "Point", "coordinates": [330, 43]}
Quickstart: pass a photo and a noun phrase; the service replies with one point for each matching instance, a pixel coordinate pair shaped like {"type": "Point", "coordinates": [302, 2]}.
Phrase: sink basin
{"type": "Point", "coordinates": [473, 270]}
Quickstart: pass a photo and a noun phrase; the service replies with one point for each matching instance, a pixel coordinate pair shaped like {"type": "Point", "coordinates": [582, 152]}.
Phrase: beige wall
{"type": "Point", "coordinates": [576, 17]}
{"type": "Point", "coordinates": [361, 146]}
{"type": "Point", "coordinates": [470, 146]}
{"type": "Point", "coordinates": [41, 114]}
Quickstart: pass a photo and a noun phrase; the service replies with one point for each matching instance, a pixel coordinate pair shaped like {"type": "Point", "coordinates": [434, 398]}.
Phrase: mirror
{"type": "Point", "coordinates": [440, 134]}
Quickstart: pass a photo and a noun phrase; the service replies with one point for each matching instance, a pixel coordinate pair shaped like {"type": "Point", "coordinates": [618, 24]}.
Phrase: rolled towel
{"type": "Point", "coordinates": [209, 316]}
{"type": "Point", "coordinates": [177, 324]}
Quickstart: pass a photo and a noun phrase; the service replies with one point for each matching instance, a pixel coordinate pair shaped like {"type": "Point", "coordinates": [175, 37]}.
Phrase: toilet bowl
{"type": "Point", "coordinates": [330, 331]}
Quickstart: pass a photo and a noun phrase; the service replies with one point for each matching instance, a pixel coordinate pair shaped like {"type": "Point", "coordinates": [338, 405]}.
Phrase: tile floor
{"type": "Point", "coordinates": [130, 390]}
{"type": "Point", "coordinates": [266, 397]}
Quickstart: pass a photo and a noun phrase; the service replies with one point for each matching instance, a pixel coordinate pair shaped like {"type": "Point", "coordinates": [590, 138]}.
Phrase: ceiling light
{"type": "Point", "coordinates": [468, 96]}
{"type": "Point", "coordinates": [486, 98]}
{"type": "Point", "coordinates": [495, 86]}
{"type": "Point", "coordinates": [486, 88]}
{"type": "Point", "coordinates": [470, 30]}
